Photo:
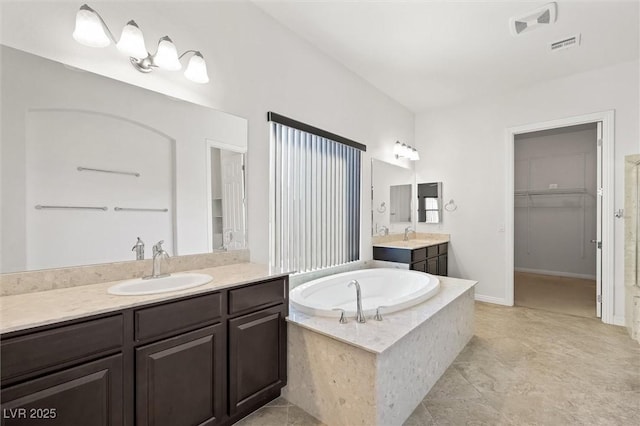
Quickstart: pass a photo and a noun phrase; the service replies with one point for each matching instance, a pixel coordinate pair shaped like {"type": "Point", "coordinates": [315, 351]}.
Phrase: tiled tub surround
{"type": "Point", "coordinates": [416, 240]}
{"type": "Point", "coordinates": [23, 311]}
{"type": "Point", "coordinates": [631, 255]}
{"type": "Point", "coordinates": [377, 373]}
{"type": "Point", "coordinates": [50, 279]}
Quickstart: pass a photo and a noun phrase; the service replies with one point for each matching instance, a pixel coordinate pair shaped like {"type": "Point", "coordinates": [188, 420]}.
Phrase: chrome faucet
{"type": "Point", "coordinates": [406, 233]}
{"type": "Point", "coordinates": [158, 254]}
{"type": "Point", "coordinates": [359, 314]}
{"type": "Point", "coordinates": [383, 229]}
{"type": "Point", "coordinates": [139, 249]}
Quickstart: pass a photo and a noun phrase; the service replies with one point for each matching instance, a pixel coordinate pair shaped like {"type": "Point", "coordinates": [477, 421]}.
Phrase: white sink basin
{"type": "Point", "coordinates": [159, 285]}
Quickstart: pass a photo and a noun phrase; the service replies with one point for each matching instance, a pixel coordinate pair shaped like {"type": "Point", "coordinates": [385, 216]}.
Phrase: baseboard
{"type": "Point", "coordinates": [555, 273]}
{"type": "Point", "coordinates": [491, 299]}
{"type": "Point", "coordinates": [619, 320]}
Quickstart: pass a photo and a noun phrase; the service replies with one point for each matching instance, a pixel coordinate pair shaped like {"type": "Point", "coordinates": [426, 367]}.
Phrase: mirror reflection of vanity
{"type": "Point", "coordinates": [391, 197]}
{"type": "Point", "coordinates": [89, 164]}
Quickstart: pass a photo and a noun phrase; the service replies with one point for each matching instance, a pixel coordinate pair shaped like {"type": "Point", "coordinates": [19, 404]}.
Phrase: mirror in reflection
{"type": "Point", "coordinates": [89, 164]}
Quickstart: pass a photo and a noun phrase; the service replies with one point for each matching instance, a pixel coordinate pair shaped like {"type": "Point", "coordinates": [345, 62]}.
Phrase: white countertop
{"type": "Point", "coordinates": [30, 310]}
{"type": "Point", "coordinates": [377, 336]}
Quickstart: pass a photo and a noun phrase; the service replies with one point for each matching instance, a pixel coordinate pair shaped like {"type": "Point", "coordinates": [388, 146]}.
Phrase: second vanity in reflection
{"type": "Point", "coordinates": [427, 253]}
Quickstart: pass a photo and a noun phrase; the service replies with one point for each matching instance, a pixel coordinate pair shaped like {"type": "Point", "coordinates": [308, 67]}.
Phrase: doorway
{"type": "Point", "coordinates": [555, 220]}
{"type": "Point", "coordinates": [226, 221]}
{"type": "Point", "coordinates": [560, 217]}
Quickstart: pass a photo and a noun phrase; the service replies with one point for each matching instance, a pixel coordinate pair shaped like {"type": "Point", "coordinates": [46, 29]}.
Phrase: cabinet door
{"type": "Point", "coordinates": [419, 266]}
{"type": "Point", "coordinates": [179, 380]}
{"type": "Point", "coordinates": [432, 266]}
{"type": "Point", "coordinates": [257, 357]}
{"type": "Point", "coordinates": [88, 394]}
{"type": "Point", "coordinates": [442, 265]}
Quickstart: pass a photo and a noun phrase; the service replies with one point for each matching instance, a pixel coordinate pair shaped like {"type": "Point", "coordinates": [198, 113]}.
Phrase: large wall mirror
{"type": "Point", "coordinates": [88, 164]}
{"type": "Point", "coordinates": [391, 197]}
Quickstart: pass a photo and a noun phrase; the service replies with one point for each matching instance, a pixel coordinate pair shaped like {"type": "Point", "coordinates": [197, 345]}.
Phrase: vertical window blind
{"type": "Point", "coordinates": [315, 197]}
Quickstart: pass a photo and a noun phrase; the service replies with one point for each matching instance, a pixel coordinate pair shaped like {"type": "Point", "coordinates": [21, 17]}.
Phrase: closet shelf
{"type": "Point", "coordinates": [559, 191]}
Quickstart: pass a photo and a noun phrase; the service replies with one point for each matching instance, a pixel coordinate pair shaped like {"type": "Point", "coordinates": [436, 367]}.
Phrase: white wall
{"type": "Point", "coordinates": [464, 147]}
{"type": "Point", "coordinates": [552, 232]}
{"type": "Point", "coordinates": [255, 66]}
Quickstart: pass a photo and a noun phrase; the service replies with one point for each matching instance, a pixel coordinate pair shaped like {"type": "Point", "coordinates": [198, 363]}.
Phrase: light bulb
{"type": "Point", "coordinates": [132, 41]}
{"type": "Point", "coordinates": [397, 149]}
{"type": "Point", "coordinates": [89, 29]}
{"type": "Point", "coordinates": [197, 69]}
{"type": "Point", "coordinates": [167, 56]}
{"type": "Point", "coordinates": [414, 155]}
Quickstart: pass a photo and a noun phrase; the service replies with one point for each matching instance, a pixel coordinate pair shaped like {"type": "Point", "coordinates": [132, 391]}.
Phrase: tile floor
{"type": "Point", "coordinates": [523, 367]}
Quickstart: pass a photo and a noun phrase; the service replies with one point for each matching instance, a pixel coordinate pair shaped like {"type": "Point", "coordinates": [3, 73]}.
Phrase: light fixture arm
{"type": "Point", "coordinates": [195, 52]}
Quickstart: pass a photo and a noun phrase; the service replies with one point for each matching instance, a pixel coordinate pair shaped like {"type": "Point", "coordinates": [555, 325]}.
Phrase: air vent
{"type": "Point", "coordinates": [566, 43]}
{"type": "Point", "coordinates": [544, 15]}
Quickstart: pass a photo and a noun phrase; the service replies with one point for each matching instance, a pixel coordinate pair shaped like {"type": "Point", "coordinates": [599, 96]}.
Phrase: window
{"type": "Point", "coordinates": [315, 197]}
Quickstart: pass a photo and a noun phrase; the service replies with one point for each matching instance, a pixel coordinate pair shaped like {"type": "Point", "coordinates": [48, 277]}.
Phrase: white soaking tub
{"type": "Point", "coordinates": [395, 289]}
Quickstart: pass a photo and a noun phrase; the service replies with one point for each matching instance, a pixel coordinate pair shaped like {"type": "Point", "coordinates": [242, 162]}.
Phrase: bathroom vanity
{"type": "Point", "coordinates": [206, 357]}
{"type": "Point", "coordinates": [425, 255]}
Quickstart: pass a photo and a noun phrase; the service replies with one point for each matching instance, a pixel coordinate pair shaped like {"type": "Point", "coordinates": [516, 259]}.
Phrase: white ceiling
{"type": "Point", "coordinates": [426, 54]}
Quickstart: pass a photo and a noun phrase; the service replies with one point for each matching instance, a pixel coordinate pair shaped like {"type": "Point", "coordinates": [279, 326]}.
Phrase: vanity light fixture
{"type": "Point", "coordinates": [92, 31]}
{"type": "Point", "coordinates": [406, 151]}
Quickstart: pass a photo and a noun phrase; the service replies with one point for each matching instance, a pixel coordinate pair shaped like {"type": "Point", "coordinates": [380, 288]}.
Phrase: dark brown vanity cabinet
{"type": "Point", "coordinates": [431, 259]}
{"type": "Point", "coordinates": [205, 359]}
{"type": "Point", "coordinates": [65, 375]}
{"type": "Point", "coordinates": [256, 365]}
{"type": "Point", "coordinates": [179, 380]}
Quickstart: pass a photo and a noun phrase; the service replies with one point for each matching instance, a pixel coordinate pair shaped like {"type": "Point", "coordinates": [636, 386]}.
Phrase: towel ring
{"type": "Point", "coordinates": [382, 208]}
{"type": "Point", "coordinates": [451, 206]}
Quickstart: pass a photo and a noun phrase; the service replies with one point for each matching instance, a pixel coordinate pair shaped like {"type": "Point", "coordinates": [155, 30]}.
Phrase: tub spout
{"type": "Point", "coordinates": [359, 314]}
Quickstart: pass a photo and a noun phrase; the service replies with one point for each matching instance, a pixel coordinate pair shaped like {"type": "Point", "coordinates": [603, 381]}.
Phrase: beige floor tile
{"type": "Point", "coordinates": [420, 417]}
{"type": "Point", "coordinates": [299, 417]}
{"type": "Point", "coordinates": [464, 412]}
{"type": "Point", "coordinates": [452, 385]}
{"type": "Point", "coordinates": [266, 416]}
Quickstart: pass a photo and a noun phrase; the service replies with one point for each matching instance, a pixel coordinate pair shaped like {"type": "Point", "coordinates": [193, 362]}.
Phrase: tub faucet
{"type": "Point", "coordinates": [158, 255]}
{"type": "Point", "coordinates": [139, 249]}
{"type": "Point", "coordinates": [406, 233]}
{"type": "Point", "coordinates": [359, 314]}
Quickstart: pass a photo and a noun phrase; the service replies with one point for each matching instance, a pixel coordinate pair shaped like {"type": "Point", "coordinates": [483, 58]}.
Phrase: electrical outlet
{"type": "Point", "coordinates": [553, 186]}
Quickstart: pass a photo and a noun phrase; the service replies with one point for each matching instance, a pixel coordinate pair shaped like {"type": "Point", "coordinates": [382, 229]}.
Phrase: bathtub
{"type": "Point", "coordinates": [396, 289]}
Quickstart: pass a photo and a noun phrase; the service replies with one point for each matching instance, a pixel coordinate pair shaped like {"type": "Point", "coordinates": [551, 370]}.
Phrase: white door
{"type": "Point", "coordinates": [598, 240]}
{"type": "Point", "coordinates": [233, 221]}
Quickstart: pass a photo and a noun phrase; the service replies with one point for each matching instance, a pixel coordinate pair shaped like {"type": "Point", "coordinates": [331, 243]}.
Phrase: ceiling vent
{"type": "Point", "coordinates": [544, 15]}
{"type": "Point", "coordinates": [566, 43]}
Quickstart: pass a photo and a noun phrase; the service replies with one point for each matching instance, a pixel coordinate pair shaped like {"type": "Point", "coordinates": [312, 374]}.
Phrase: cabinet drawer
{"type": "Point", "coordinates": [443, 248]}
{"type": "Point", "coordinates": [257, 295]}
{"type": "Point", "coordinates": [419, 254]}
{"type": "Point", "coordinates": [59, 346]}
{"type": "Point", "coordinates": [432, 251]}
{"type": "Point", "coordinates": [177, 316]}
